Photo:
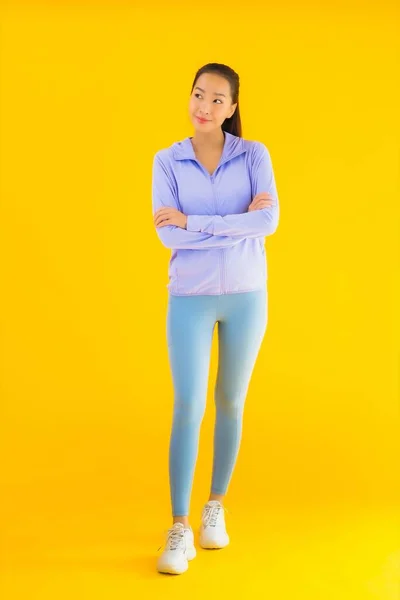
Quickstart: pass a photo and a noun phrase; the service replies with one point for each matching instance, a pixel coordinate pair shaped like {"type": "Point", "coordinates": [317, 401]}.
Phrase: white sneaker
{"type": "Point", "coordinates": [212, 532]}
{"type": "Point", "coordinates": [179, 549]}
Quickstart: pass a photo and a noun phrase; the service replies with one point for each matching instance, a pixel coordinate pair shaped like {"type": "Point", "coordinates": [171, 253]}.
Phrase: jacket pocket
{"type": "Point", "coordinates": [197, 271]}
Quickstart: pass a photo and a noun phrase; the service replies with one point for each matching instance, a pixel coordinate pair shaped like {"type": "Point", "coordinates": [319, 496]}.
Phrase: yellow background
{"type": "Point", "coordinates": [89, 92]}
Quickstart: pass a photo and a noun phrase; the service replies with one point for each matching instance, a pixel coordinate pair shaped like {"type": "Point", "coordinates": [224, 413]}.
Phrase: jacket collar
{"type": "Point", "coordinates": [233, 146]}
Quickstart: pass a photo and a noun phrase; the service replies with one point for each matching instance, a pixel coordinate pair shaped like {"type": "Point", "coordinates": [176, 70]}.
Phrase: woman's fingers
{"type": "Point", "coordinates": [166, 221]}
{"type": "Point", "coordinates": [166, 213]}
{"type": "Point", "coordinates": [262, 196]}
{"type": "Point", "coordinates": [261, 200]}
{"type": "Point", "coordinates": [261, 204]}
{"type": "Point", "coordinates": [162, 214]}
{"type": "Point", "coordinates": [160, 219]}
{"type": "Point", "coordinates": [269, 202]}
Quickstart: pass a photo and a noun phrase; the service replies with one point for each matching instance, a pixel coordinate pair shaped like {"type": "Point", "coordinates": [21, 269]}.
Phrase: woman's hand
{"type": "Point", "coordinates": [262, 200]}
{"type": "Point", "coordinates": [170, 216]}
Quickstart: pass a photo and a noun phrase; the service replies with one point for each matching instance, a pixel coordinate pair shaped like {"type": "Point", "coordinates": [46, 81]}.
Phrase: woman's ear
{"type": "Point", "coordinates": [233, 108]}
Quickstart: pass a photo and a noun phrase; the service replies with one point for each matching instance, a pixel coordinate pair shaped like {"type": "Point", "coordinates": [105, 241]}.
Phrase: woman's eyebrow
{"type": "Point", "coordinates": [215, 93]}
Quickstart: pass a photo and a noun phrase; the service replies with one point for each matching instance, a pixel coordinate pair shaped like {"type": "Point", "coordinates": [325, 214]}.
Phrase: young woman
{"type": "Point", "coordinates": [214, 200]}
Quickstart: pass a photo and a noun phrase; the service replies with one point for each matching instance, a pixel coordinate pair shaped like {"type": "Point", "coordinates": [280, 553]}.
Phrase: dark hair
{"type": "Point", "coordinates": [233, 124]}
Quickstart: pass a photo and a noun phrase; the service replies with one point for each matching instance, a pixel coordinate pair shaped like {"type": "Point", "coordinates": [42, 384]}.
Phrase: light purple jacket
{"type": "Point", "coordinates": [222, 250]}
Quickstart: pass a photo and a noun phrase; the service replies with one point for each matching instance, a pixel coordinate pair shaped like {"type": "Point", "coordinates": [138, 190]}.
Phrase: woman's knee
{"type": "Point", "coordinates": [230, 402]}
{"type": "Point", "coordinates": [189, 411]}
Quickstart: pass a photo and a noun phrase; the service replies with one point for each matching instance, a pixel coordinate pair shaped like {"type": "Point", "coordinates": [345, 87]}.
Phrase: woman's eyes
{"type": "Point", "coordinates": [215, 98]}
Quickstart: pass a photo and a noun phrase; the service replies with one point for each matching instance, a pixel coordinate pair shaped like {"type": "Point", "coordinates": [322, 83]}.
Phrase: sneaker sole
{"type": "Point", "coordinates": [172, 570]}
{"type": "Point", "coordinates": [178, 570]}
{"type": "Point", "coordinates": [212, 545]}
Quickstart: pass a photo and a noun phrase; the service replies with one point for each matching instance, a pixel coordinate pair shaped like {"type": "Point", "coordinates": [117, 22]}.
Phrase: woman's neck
{"type": "Point", "coordinates": [209, 141]}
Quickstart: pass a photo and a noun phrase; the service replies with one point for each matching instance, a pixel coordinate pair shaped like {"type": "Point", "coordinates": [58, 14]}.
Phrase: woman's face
{"type": "Point", "coordinates": [210, 100]}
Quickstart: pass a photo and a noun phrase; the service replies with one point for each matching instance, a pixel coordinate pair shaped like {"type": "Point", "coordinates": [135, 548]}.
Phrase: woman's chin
{"type": "Point", "coordinates": [202, 126]}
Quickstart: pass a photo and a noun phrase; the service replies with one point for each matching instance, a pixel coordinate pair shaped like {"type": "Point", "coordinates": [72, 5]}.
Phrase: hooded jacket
{"type": "Point", "coordinates": [222, 250]}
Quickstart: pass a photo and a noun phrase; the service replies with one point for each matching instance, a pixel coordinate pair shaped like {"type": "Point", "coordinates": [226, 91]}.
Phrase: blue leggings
{"type": "Point", "coordinates": [242, 322]}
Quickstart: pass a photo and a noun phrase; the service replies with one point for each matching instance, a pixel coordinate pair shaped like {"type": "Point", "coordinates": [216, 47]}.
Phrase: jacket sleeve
{"type": "Point", "coordinates": [164, 193]}
{"type": "Point", "coordinates": [256, 223]}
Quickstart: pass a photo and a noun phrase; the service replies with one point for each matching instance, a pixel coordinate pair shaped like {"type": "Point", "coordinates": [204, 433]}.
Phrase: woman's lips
{"type": "Point", "coordinates": [201, 120]}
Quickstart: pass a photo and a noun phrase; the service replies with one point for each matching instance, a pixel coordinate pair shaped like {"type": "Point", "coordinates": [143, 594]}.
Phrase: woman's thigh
{"type": "Point", "coordinates": [190, 325]}
{"type": "Point", "coordinates": [243, 321]}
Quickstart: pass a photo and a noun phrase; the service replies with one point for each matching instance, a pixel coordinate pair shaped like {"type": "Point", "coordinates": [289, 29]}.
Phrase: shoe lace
{"type": "Point", "coordinates": [175, 538]}
{"type": "Point", "coordinates": [211, 514]}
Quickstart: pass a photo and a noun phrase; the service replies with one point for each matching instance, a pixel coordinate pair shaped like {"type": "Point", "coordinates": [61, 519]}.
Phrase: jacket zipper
{"type": "Point", "coordinates": [223, 267]}
{"type": "Point", "coordinates": [222, 249]}
{"type": "Point", "coordinates": [222, 262]}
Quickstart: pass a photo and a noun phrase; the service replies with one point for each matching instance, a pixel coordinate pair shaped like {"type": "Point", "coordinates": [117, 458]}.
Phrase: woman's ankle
{"type": "Point", "coordinates": [181, 519]}
{"type": "Point", "coordinates": [219, 497]}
